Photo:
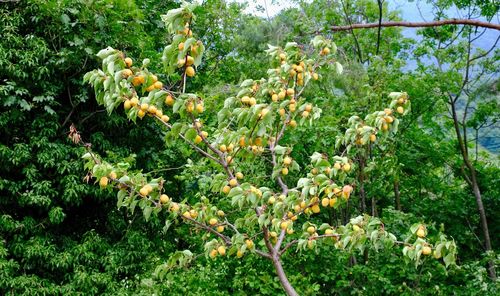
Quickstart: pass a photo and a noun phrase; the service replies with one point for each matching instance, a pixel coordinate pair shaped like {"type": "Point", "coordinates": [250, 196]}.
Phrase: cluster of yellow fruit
{"type": "Point", "coordinates": [324, 51]}
{"type": "Point", "coordinates": [421, 233]}
{"type": "Point", "coordinates": [188, 60]}
{"type": "Point", "coordinates": [139, 79]}
{"type": "Point", "coordinates": [104, 181]}
{"type": "Point", "coordinates": [233, 182]}
{"type": "Point", "coordinates": [287, 161]}
{"type": "Point", "coordinates": [192, 106]}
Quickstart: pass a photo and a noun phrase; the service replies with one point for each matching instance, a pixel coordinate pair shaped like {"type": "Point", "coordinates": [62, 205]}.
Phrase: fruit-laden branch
{"type": "Point", "coordinates": [475, 23]}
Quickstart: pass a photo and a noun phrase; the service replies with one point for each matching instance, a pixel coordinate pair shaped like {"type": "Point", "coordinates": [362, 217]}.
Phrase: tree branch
{"type": "Point", "coordinates": [418, 24]}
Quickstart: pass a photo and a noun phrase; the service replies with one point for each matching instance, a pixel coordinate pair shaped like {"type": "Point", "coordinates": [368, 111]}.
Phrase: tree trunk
{"type": "Point", "coordinates": [475, 188]}
{"type": "Point", "coordinates": [484, 222]}
{"type": "Point", "coordinates": [361, 179]}
{"type": "Point", "coordinates": [290, 291]}
{"type": "Point", "coordinates": [396, 195]}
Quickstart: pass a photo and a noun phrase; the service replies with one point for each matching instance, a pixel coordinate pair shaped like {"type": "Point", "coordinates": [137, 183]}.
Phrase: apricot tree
{"type": "Point", "coordinates": [268, 218]}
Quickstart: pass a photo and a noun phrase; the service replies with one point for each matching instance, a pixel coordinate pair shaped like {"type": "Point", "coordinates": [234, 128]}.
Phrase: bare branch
{"type": "Point", "coordinates": [418, 24]}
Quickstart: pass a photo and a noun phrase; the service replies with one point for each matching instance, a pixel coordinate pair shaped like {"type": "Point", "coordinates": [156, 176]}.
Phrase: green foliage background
{"type": "Point", "coordinates": [60, 235]}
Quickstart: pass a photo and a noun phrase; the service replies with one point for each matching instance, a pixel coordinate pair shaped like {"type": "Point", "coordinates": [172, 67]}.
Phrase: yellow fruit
{"type": "Point", "coordinates": [271, 200]}
{"type": "Point", "coordinates": [141, 113]}
{"type": "Point", "coordinates": [220, 228]}
{"type": "Point", "coordinates": [186, 215]}
{"type": "Point", "coordinates": [137, 80]}
{"type": "Point", "coordinates": [305, 113]}
{"type": "Point", "coordinates": [400, 110]}
{"type": "Point", "coordinates": [229, 159]}
{"type": "Point", "coordinates": [282, 56]}
{"type": "Point", "coordinates": [337, 166]}
{"type": "Point", "coordinates": [190, 71]}
{"type": "Point", "coordinates": [144, 107]}
{"type": "Point", "coordinates": [426, 250]}
{"type": "Point", "coordinates": [193, 214]}
{"type": "Point", "coordinates": [199, 108]}
{"type": "Point", "coordinates": [325, 51]}
{"type": "Point", "coordinates": [127, 104]}
{"type": "Point", "coordinates": [181, 62]}
{"type": "Point", "coordinates": [213, 253]}
{"type": "Point", "coordinates": [213, 221]}
{"type": "Point", "coordinates": [152, 110]}
{"type": "Point", "coordinates": [233, 182]}
{"type": "Point", "coordinates": [311, 229]}
{"type": "Point", "coordinates": [421, 232]}
{"type": "Point", "coordinates": [158, 85]}
{"type": "Point", "coordinates": [197, 139]}
{"type": "Point", "coordinates": [175, 207]}
{"type": "Point", "coordinates": [154, 78]}
{"type": "Point", "coordinates": [373, 137]}
{"type": "Point", "coordinates": [239, 254]}
{"type": "Point", "coordinates": [165, 118]}
{"type": "Point", "coordinates": [223, 148]}
{"type": "Point", "coordinates": [293, 123]}
{"type": "Point", "coordinates": [230, 147]}
{"type": "Point", "coordinates": [273, 234]}
{"type": "Point", "coordinates": [346, 167]}
{"type": "Point", "coordinates": [287, 160]}
{"type": "Point", "coordinates": [169, 100]}
{"type": "Point", "coordinates": [113, 175]}
{"type": "Point", "coordinates": [126, 73]}
{"type": "Point", "coordinates": [346, 191]}
{"type": "Point", "coordinates": [328, 231]}
{"type": "Point", "coordinates": [388, 111]}
{"type": "Point", "coordinates": [385, 127]}
{"type": "Point", "coordinates": [252, 101]}
{"type": "Point", "coordinates": [333, 201]}
{"type": "Point", "coordinates": [325, 201]}
{"type": "Point", "coordinates": [128, 62]}
{"type": "Point", "coordinates": [389, 119]}
{"type": "Point", "coordinates": [282, 95]}
{"type": "Point", "coordinates": [144, 191]}
{"type": "Point", "coordinates": [221, 250]}
{"type": "Point", "coordinates": [220, 213]}
{"type": "Point", "coordinates": [290, 91]}
{"type": "Point", "coordinates": [308, 108]}
{"type": "Point", "coordinates": [103, 182]}
{"type": "Point", "coordinates": [189, 60]}
{"type": "Point", "coordinates": [274, 97]}
{"type": "Point", "coordinates": [204, 134]}
{"type": "Point", "coordinates": [302, 204]}
{"type": "Point", "coordinates": [239, 175]}
{"type": "Point", "coordinates": [282, 112]}
{"type": "Point", "coordinates": [181, 46]}
{"type": "Point", "coordinates": [134, 101]}
{"type": "Point", "coordinates": [249, 244]}
{"type": "Point", "coordinates": [315, 76]}
{"type": "Point", "coordinates": [356, 228]}
{"type": "Point", "coordinates": [159, 113]}
{"type": "Point", "coordinates": [299, 69]}
{"type": "Point", "coordinates": [284, 225]}
{"type": "Point", "coordinates": [401, 101]}
{"type": "Point", "coordinates": [284, 171]}
{"type": "Point", "coordinates": [289, 231]}
{"type": "Point", "coordinates": [315, 209]}
{"type": "Point", "coordinates": [292, 107]}
{"type": "Point", "coordinates": [164, 198]}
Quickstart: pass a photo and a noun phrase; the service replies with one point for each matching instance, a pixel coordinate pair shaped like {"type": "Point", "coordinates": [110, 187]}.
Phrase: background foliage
{"type": "Point", "coordinates": [60, 235]}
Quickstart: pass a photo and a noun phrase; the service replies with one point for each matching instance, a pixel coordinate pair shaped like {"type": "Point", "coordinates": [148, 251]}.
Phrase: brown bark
{"type": "Point", "coordinates": [418, 24]}
{"type": "Point", "coordinates": [475, 188]}
{"type": "Point", "coordinates": [361, 179]}
{"type": "Point", "coordinates": [290, 291]}
{"type": "Point", "coordinates": [397, 195]}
